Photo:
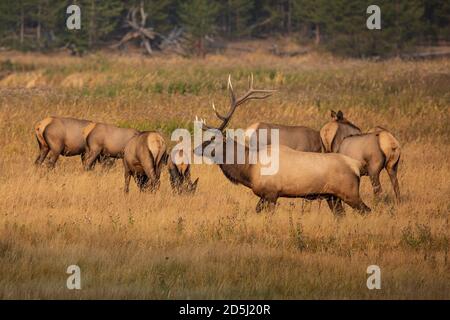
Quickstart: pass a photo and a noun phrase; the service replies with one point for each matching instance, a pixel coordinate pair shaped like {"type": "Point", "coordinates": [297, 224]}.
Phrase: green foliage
{"type": "Point", "coordinates": [98, 19]}
{"type": "Point", "coordinates": [198, 17]}
{"type": "Point", "coordinates": [236, 15]}
{"type": "Point", "coordinates": [338, 26]}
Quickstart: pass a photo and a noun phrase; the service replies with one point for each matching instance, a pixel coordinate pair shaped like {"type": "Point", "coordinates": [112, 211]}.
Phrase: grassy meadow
{"type": "Point", "coordinates": [213, 245]}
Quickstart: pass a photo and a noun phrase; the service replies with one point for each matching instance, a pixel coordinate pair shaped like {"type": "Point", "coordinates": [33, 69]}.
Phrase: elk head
{"type": "Point", "coordinates": [180, 173]}
{"type": "Point", "coordinates": [339, 117]}
{"type": "Point", "coordinates": [251, 94]}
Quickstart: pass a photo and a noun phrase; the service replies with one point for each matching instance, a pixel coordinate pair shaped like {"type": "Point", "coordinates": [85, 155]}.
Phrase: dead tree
{"type": "Point", "coordinates": [138, 29]}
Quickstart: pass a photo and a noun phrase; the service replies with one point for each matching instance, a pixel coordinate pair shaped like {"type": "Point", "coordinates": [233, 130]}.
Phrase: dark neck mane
{"type": "Point", "coordinates": [237, 173]}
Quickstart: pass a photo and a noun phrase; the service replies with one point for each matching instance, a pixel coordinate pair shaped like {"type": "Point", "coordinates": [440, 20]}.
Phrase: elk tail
{"type": "Point", "coordinates": [157, 149]}
{"type": "Point", "coordinates": [390, 147]}
{"type": "Point", "coordinates": [39, 130]}
{"type": "Point", "coordinates": [356, 166]}
{"type": "Point", "coordinates": [327, 134]}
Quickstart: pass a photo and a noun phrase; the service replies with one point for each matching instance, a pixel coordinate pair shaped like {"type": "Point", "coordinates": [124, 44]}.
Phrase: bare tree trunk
{"type": "Point", "coordinates": [38, 28]}
{"type": "Point", "coordinates": [289, 17]}
{"type": "Point", "coordinates": [317, 33]}
{"type": "Point", "coordinates": [22, 24]}
{"type": "Point", "coordinates": [91, 32]}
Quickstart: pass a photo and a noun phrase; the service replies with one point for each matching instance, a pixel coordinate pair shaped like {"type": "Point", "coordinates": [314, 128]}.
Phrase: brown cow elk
{"type": "Point", "coordinates": [376, 149]}
{"type": "Point", "coordinates": [300, 174]}
{"type": "Point", "coordinates": [105, 141]}
{"type": "Point", "coordinates": [144, 156]}
{"type": "Point", "coordinates": [180, 173]}
{"type": "Point", "coordinates": [60, 136]}
{"type": "Point", "coordinates": [299, 138]}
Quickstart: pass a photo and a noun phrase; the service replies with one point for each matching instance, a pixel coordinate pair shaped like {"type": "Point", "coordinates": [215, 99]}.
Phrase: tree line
{"type": "Point", "coordinates": [338, 26]}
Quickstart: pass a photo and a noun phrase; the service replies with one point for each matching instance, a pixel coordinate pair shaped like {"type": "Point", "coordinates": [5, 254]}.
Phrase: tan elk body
{"type": "Point", "coordinates": [300, 174]}
{"type": "Point", "coordinates": [144, 156]}
{"type": "Point", "coordinates": [299, 138]}
{"type": "Point", "coordinates": [376, 149]}
{"type": "Point", "coordinates": [105, 140]}
{"type": "Point", "coordinates": [60, 136]}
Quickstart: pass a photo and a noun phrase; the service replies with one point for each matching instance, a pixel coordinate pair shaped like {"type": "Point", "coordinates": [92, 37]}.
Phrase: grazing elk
{"type": "Point", "coordinates": [180, 173]}
{"type": "Point", "coordinates": [105, 141]}
{"type": "Point", "coordinates": [376, 149]}
{"type": "Point", "coordinates": [300, 174]}
{"type": "Point", "coordinates": [60, 136]}
{"type": "Point", "coordinates": [144, 155]}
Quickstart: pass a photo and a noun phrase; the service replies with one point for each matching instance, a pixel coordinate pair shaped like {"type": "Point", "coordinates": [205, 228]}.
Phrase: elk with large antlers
{"type": "Point", "coordinates": [377, 150]}
{"type": "Point", "coordinates": [300, 174]}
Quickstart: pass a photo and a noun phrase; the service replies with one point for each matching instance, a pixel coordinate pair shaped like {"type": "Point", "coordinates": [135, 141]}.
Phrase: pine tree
{"type": "Point", "coordinates": [236, 15]}
{"type": "Point", "coordinates": [199, 18]}
{"type": "Point", "coordinates": [315, 13]}
{"type": "Point", "coordinates": [98, 19]}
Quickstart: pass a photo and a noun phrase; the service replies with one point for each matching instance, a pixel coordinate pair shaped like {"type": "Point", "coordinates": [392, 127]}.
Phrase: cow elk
{"type": "Point", "coordinates": [333, 177]}
{"type": "Point", "coordinates": [144, 156]}
{"type": "Point", "coordinates": [105, 141]}
{"type": "Point", "coordinates": [60, 136]}
{"type": "Point", "coordinates": [376, 149]}
{"type": "Point", "coordinates": [299, 138]}
{"type": "Point", "coordinates": [180, 173]}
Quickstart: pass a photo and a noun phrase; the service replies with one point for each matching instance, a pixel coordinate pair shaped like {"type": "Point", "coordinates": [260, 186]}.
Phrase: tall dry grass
{"type": "Point", "coordinates": [213, 244]}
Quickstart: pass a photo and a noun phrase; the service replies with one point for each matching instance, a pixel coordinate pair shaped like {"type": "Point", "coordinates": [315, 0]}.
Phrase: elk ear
{"type": "Point", "coordinates": [333, 114]}
{"type": "Point", "coordinates": [340, 115]}
{"type": "Point", "coordinates": [194, 185]}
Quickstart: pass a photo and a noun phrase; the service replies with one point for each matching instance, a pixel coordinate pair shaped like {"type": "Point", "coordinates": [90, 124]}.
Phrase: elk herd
{"type": "Point", "coordinates": [325, 164]}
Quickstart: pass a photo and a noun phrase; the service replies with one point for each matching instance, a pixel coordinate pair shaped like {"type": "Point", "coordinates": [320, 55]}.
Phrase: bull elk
{"type": "Point", "coordinates": [105, 141]}
{"type": "Point", "coordinates": [300, 174]}
{"type": "Point", "coordinates": [144, 155]}
{"type": "Point", "coordinates": [60, 136]}
{"type": "Point", "coordinates": [376, 149]}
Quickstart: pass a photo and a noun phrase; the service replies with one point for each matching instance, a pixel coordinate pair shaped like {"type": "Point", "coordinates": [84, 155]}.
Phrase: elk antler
{"type": "Point", "coordinates": [251, 94]}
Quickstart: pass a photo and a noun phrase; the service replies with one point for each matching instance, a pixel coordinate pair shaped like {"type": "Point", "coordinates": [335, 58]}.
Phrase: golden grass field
{"type": "Point", "coordinates": [213, 245]}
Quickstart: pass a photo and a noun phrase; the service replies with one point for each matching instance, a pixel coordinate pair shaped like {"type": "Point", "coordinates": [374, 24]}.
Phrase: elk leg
{"type": "Point", "coordinates": [56, 147]}
{"type": "Point", "coordinates": [335, 205]}
{"type": "Point", "coordinates": [148, 164]}
{"type": "Point", "coordinates": [374, 169]}
{"type": "Point", "coordinates": [175, 180]}
{"type": "Point", "coordinates": [53, 158]}
{"type": "Point", "coordinates": [107, 162]}
{"type": "Point", "coordinates": [141, 181]}
{"type": "Point", "coordinates": [127, 176]}
{"type": "Point", "coordinates": [265, 205]}
{"type": "Point", "coordinates": [358, 205]}
{"type": "Point", "coordinates": [43, 152]}
{"type": "Point", "coordinates": [392, 171]}
{"type": "Point", "coordinates": [376, 185]}
{"type": "Point", "coordinates": [83, 158]}
{"type": "Point", "coordinates": [91, 157]}
{"type": "Point", "coordinates": [353, 199]}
